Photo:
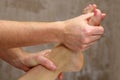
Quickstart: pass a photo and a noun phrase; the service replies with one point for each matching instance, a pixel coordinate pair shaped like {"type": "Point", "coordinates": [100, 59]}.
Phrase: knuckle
{"type": "Point", "coordinates": [41, 60]}
{"type": "Point", "coordinates": [101, 30]}
{"type": "Point", "coordinates": [87, 31]}
{"type": "Point", "coordinates": [37, 57]}
{"type": "Point", "coordinates": [85, 41]}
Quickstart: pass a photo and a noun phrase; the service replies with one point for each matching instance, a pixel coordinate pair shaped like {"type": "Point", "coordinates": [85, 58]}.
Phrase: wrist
{"type": "Point", "coordinates": [59, 31]}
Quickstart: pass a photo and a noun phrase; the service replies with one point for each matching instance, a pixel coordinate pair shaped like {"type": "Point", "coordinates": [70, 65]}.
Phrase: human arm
{"type": "Point", "coordinates": [17, 34]}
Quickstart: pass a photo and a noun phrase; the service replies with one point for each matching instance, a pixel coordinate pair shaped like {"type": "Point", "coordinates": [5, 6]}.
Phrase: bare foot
{"type": "Point", "coordinates": [90, 8]}
{"type": "Point", "coordinates": [98, 15]}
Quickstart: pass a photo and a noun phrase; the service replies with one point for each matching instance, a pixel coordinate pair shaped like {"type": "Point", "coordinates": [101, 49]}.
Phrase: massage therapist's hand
{"type": "Point", "coordinates": [39, 58]}
{"type": "Point", "coordinates": [78, 34]}
{"type": "Point", "coordinates": [26, 61]}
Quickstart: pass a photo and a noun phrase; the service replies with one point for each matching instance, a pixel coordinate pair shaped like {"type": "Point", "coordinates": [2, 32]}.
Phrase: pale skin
{"type": "Point", "coordinates": [17, 34]}
{"type": "Point", "coordinates": [72, 62]}
{"type": "Point", "coordinates": [24, 61]}
{"type": "Point", "coordinates": [75, 30]}
{"type": "Point", "coordinates": [94, 20]}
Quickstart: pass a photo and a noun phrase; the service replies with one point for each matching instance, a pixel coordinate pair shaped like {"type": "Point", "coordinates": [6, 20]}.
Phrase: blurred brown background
{"type": "Point", "coordinates": [101, 61]}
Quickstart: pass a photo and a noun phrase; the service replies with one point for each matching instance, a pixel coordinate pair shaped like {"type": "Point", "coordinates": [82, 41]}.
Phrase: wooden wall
{"type": "Point", "coordinates": [101, 61]}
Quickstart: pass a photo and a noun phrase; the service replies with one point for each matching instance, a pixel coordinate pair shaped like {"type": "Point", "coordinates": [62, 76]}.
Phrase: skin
{"type": "Point", "coordinates": [76, 34]}
{"type": "Point", "coordinates": [94, 20]}
{"type": "Point", "coordinates": [25, 61]}
{"type": "Point", "coordinates": [84, 36]}
{"type": "Point", "coordinates": [28, 33]}
{"type": "Point", "coordinates": [74, 30]}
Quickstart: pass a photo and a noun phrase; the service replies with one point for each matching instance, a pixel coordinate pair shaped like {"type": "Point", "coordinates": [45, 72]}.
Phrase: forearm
{"type": "Point", "coordinates": [17, 34]}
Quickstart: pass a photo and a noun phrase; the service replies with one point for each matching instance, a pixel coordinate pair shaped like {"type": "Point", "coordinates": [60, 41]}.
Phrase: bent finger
{"type": "Point", "coordinates": [23, 67]}
{"type": "Point", "coordinates": [94, 38]}
{"type": "Point", "coordinates": [97, 30]}
{"type": "Point", "coordinates": [87, 46]}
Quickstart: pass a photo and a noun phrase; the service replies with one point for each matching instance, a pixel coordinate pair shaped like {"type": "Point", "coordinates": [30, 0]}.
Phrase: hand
{"type": "Point", "coordinates": [79, 35]}
{"type": "Point", "coordinates": [26, 61]}
{"type": "Point", "coordinates": [32, 60]}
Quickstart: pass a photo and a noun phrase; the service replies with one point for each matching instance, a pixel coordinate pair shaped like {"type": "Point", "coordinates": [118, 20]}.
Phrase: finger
{"type": "Point", "coordinates": [97, 30]}
{"type": "Point", "coordinates": [94, 38]}
{"type": "Point", "coordinates": [38, 59]}
{"type": "Point", "coordinates": [85, 49]}
{"type": "Point", "coordinates": [87, 46]}
{"type": "Point", "coordinates": [91, 39]}
{"type": "Point", "coordinates": [45, 62]}
{"type": "Point", "coordinates": [103, 15]}
{"type": "Point", "coordinates": [30, 61]}
{"type": "Point", "coordinates": [23, 67]}
{"type": "Point", "coordinates": [45, 52]}
{"type": "Point", "coordinates": [87, 16]}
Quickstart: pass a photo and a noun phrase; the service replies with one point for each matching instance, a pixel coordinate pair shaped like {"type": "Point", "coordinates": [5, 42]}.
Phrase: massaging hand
{"type": "Point", "coordinates": [79, 34]}
{"type": "Point", "coordinates": [25, 61]}
{"type": "Point", "coordinates": [32, 60]}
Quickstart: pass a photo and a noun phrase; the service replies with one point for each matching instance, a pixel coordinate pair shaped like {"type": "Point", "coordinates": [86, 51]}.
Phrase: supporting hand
{"type": "Point", "coordinates": [26, 61]}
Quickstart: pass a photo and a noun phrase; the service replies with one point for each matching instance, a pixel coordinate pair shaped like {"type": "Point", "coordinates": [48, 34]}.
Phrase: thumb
{"type": "Point", "coordinates": [87, 16]}
{"type": "Point", "coordinates": [103, 15]}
